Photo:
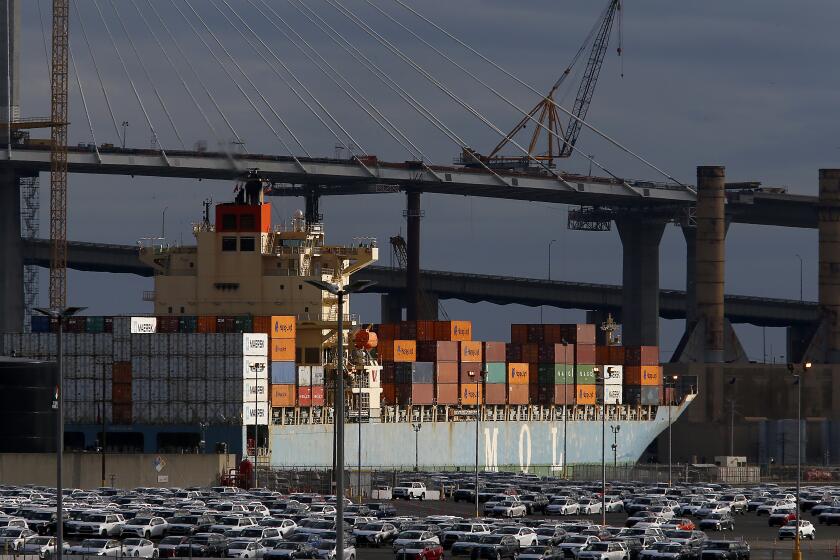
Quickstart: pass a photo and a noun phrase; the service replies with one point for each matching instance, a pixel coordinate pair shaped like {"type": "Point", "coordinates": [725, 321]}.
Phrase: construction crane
{"type": "Point", "coordinates": [558, 143]}
{"type": "Point", "coordinates": [58, 155]}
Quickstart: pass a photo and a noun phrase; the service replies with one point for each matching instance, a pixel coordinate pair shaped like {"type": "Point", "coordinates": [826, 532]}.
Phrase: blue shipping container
{"type": "Point", "coordinates": [283, 373]}
{"type": "Point", "coordinates": [40, 324]}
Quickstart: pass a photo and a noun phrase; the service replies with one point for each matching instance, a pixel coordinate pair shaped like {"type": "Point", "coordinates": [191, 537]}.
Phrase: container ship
{"type": "Point", "coordinates": [240, 356]}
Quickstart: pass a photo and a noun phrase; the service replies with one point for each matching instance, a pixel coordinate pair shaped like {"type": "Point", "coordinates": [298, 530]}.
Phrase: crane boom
{"type": "Point", "coordinates": [586, 89]}
{"type": "Point", "coordinates": [58, 156]}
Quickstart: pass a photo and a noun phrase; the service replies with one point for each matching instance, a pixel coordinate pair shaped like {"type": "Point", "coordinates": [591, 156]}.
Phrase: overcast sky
{"type": "Point", "coordinates": [750, 85]}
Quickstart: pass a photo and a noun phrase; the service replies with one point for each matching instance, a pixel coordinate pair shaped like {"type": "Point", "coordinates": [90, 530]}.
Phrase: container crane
{"type": "Point", "coordinates": [58, 155]}
{"type": "Point", "coordinates": [558, 143]}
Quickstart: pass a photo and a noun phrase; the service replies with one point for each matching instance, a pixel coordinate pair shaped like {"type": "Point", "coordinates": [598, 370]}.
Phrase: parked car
{"type": "Point", "coordinates": [725, 550]}
{"type": "Point", "coordinates": [96, 547]}
{"type": "Point", "coordinates": [167, 545]}
{"type": "Point", "coordinates": [139, 548]}
{"type": "Point", "coordinates": [496, 546]}
{"type": "Point", "coordinates": [411, 490]}
{"type": "Point", "coordinates": [42, 546]}
{"type": "Point", "coordinates": [241, 548]}
{"type": "Point", "coordinates": [285, 550]}
{"type": "Point", "coordinates": [717, 522]}
{"type": "Point", "coordinates": [146, 527]}
{"type": "Point", "coordinates": [609, 550]}
{"type": "Point", "coordinates": [210, 545]}
{"type": "Point", "coordinates": [420, 551]}
{"type": "Point", "coordinates": [806, 530]}
{"type": "Point", "coordinates": [375, 534]}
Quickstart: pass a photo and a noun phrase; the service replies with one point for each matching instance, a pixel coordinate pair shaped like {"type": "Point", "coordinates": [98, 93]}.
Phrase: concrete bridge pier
{"type": "Point", "coordinates": [11, 254]}
{"type": "Point", "coordinates": [312, 214]}
{"type": "Point", "coordinates": [391, 306]}
{"type": "Point", "coordinates": [640, 239]}
{"type": "Point", "coordinates": [413, 213]}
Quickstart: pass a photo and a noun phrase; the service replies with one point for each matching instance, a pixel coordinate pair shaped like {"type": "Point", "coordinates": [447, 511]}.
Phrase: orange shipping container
{"type": "Point", "coordinates": [518, 394]}
{"type": "Point", "coordinates": [471, 351]}
{"type": "Point", "coordinates": [453, 330]}
{"type": "Point", "coordinates": [585, 394]}
{"type": "Point", "coordinates": [517, 374]}
{"type": "Point", "coordinates": [282, 326]}
{"type": "Point", "coordinates": [207, 324]}
{"type": "Point", "coordinates": [471, 393]}
{"type": "Point", "coordinates": [398, 351]}
{"type": "Point", "coordinates": [282, 395]}
{"type": "Point", "coordinates": [282, 350]}
{"type": "Point", "coordinates": [643, 375]}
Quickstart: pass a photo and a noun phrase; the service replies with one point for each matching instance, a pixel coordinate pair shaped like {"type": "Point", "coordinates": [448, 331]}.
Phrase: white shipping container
{"type": "Point", "coordinates": [255, 367]}
{"type": "Point", "coordinates": [196, 344]}
{"type": "Point", "coordinates": [304, 375]}
{"type": "Point", "coordinates": [255, 414]}
{"type": "Point", "coordinates": [254, 344]}
{"type": "Point", "coordinates": [255, 390]}
{"type": "Point", "coordinates": [143, 325]}
{"type": "Point", "coordinates": [614, 375]}
{"type": "Point", "coordinates": [317, 375]}
{"type": "Point", "coordinates": [614, 394]}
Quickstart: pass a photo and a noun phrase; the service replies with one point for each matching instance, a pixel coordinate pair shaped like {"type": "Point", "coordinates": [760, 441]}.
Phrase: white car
{"type": "Point", "coordinates": [326, 551]}
{"type": "Point", "coordinates": [666, 512]}
{"type": "Point", "coordinates": [13, 538]}
{"type": "Point", "coordinates": [258, 533]}
{"type": "Point", "coordinates": [460, 529]}
{"type": "Point", "coordinates": [322, 509]}
{"type": "Point", "coordinates": [806, 530]}
{"type": "Point", "coordinates": [416, 490]}
{"type": "Point", "coordinates": [713, 507]}
{"type": "Point", "coordinates": [510, 507]}
{"type": "Point", "coordinates": [96, 547]}
{"type": "Point", "coordinates": [375, 533]}
{"type": "Point", "coordinates": [562, 506]}
{"type": "Point", "coordinates": [589, 506]}
{"type": "Point", "coordinates": [604, 551]}
{"type": "Point", "coordinates": [43, 547]}
{"type": "Point", "coordinates": [572, 544]}
{"type": "Point", "coordinates": [100, 524]}
{"type": "Point", "coordinates": [614, 503]}
{"type": "Point", "coordinates": [232, 522]}
{"type": "Point", "coordinates": [775, 506]}
{"type": "Point", "coordinates": [145, 527]}
{"type": "Point", "coordinates": [139, 548]}
{"type": "Point", "coordinates": [406, 537]}
{"type": "Point", "coordinates": [526, 536]}
{"type": "Point", "coordinates": [245, 549]}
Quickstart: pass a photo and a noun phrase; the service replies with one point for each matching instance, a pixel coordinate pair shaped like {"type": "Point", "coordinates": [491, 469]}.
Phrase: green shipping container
{"type": "Point", "coordinates": [95, 324]}
{"type": "Point", "coordinates": [188, 324]}
{"type": "Point", "coordinates": [585, 374]}
{"type": "Point", "coordinates": [556, 374]}
{"type": "Point", "coordinates": [244, 323]}
{"type": "Point", "coordinates": [496, 373]}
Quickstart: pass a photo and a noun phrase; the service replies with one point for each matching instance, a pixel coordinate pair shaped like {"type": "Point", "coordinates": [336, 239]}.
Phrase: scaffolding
{"type": "Point", "coordinates": [30, 204]}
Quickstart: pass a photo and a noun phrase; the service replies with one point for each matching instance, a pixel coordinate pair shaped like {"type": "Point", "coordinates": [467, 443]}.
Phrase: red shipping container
{"type": "Point", "coordinates": [533, 392]}
{"type": "Point", "coordinates": [494, 352]}
{"type": "Point", "coordinates": [518, 394]}
{"type": "Point", "coordinates": [616, 354]}
{"type": "Point", "coordinates": [389, 394]}
{"type": "Point", "coordinates": [408, 330]}
{"type": "Point", "coordinates": [564, 394]}
{"type": "Point", "coordinates": [167, 324]}
{"type": "Point", "coordinates": [79, 325]}
{"type": "Point", "coordinates": [535, 333]}
{"type": "Point", "coordinates": [426, 331]}
{"type": "Point", "coordinates": [513, 352]}
{"type": "Point", "coordinates": [122, 414]}
{"type": "Point", "coordinates": [556, 354]}
{"type": "Point", "coordinates": [583, 333]}
{"type": "Point", "coordinates": [206, 324]}
{"type": "Point", "coordinates": [553, 334]}
{"type": "Point", "coordinates": [386, 331]}
{"type": "Point", "coordinates": [519, 334]}
{"type": "Point", "coordinates": [225, 325]}
{"type": "Point", "coordinates": [317, 395]}
{"type": "Point", "coordinates": [495, 393]}
{"type": "Point", "coordinates": [446, 393]}
{"type": "Point", "coordinates": [108, 325]}
{"type": "Point", "coordinates": [121, 372]}
{"type": "Point", "coordinates": [422, 393]}
{"type": "Point", "coordinates": [121, 393]}
{"type": "Point", "coordinates": [531, 352]}
{"type": "Point", "coordinates": [447, 372]}
{"type": "Point", "coordinates": [602, 355]}
{"type": "Point", "coordinates": [641, 355]}
{"type": "Point", "coordinates": [469, 368]}
{"type": "Point", "coordinates": [431, 351]}
{"type": "Point", "coordinates": [453, 330]}
{"type": "Point", "coordinates": [585, 353]}
{"type": "Point", "coordinates": [304, 395]}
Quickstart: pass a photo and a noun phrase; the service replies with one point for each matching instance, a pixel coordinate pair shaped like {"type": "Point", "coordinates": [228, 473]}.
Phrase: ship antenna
{"type": "Point", "coordinates": [207, 204]}
{"type": "Point", "coordinates": [609, 326]}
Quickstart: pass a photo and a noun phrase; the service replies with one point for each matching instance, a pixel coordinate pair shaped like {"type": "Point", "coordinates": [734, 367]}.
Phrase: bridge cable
{"type": "Point", "coordinates": [130, 79]}
{"type": "Point", "coordinates": [372, 67]}
{"type": "Point", "coordinates": [175, 69]}
{"type": "Point", "coordinates": [84, 104]}
{"type": "Point", "coordinates": [245, 94]}
{"type": "Point", "coordinates": [44, 38]}
{"type": "Point", "coordinates": [96, 67]}
{"type": "Point", "coordinates": [404, 141]}
{"type": "Point", "coordinates": [198, 78]}
{"type": "Point", "coordinates": [503, 98]}
{"type": "Point", "coordinates": [437, 83]}
{"type": "Point", "coordinates": [294, 77]}
{"type": "Point", "coordinates": [148, 76]}
{"type": "Point", "coordinates": [603, 135]}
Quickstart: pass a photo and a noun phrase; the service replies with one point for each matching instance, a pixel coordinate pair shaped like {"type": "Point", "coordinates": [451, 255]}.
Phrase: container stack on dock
{"type": "Point", "coordinates": [284, 374]}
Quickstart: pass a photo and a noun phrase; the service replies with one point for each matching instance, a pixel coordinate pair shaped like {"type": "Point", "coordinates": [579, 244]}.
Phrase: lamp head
{"type": "Point", "coordinates": [808, 365]}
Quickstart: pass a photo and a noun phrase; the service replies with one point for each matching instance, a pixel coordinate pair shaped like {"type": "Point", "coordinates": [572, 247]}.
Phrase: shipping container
{"type": "Point", "coordinates": [283, 373]}
{"type": "Point", "coordinates": [446, 393]}
{"type": "Point", "coordinates": [254, 344]}
{"type": "Point", "coordinates": [585, 394]}
{"type": "Point", "coordinates": [651, 396]}
{"type": "Point", "coordinates": [471, 393]}
{"type": "Point", "coordinates": [304, 376]}
{"type": "Point", "coordinates": [585, 374]}
{"type": "Point", "coordinates": [496, 373]}
{"type": "Point", "coordinates": [416, 330]}
{"type": "Point", "coordinates": [495, 393]}
{"type": "Point", "coordinates": [614, 394]}
{"type": "Point", "coordinates": [389, 393]}
{"type": "Point", "coordinates": [494, 352]}
{"type": "Point", "coordinates": [206, 324]}
{"type": "Point", "coordinates": [470, 351]}
{"type": "Point", "coordinates": [535, 333]}
{"type": "Point", "coordinates": [415, 394]}
{"type": "Point", "coordinates": [283, 326]}
{"type": "Point", "coordinates": [95, 324]}
{"type": "Point", "coordinates": [556, 353]}
{"type": "Point", "coordinates": [397, 350]}
{"type": "Point", "coordinates": [282, 350]}
{"type": "Point", "coordinates": [469, 372]}
{"type": "Point", "coordinates": [453, 330]}
{"type": "Point", "coordinates": [583, 333]}
{"type": "Point", "coordinates": [304, 396]}
{"type": "Point", "coordinates": [423, 373]}
{"type": "Point", "coordinates": [121, 393]}
{"type": "Point", "coordinates": [613, 375]}
{"type": "Point", "coordinates": [518, 334]}
{"type": "Point", "coordinates": [585, 353]}
{"type": "Point", "coordinates": [447, 372]}
{"type": "Point", "coordinates": [225, 325]}
{"type": "Point", "coordinates": [556, 374]}
{"type": "Point", "coordinates": [517, 373]}
{"type": "Point", "coordinates": [188, 324]}
{"type": "Point", "coordinates": [513, 352]}
{"type": "Point", "coordinates": [318, 377]}
{"type": "Point", "coordinates": [255, 390]}
{"type": "Point", "coordinates": [121, 372]}
{"type": "Point", "coordinates": [437, 351]}
{"type": "Point", "coordinates": [617, 355]}
{"type": "Point", "coordinates": [317, 395]}
{"type": "Point", "coordinates": [283, 395]}
{"type": "Point", "coordinates": [121, 414]}
{"type": "Point", "coordinates": [518, 394]}
{"type": "Point", "coordinates": [386, 331]}
{"type": "Point", "coordinates": [40, 324]}
{"type": "Point", "coordinates": [256, 367]}
{"type": "Point", "coordinates": [643, 375]}
{"type": "Point", "coordinates": [641, 355]}
{"type": "Point", "coordinates": [564, 394]}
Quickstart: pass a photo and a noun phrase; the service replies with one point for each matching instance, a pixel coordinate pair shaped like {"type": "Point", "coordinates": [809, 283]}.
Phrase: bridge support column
{"type": "Point", "coordinates": [413, 213]}
{"type": "Point", "coordinates": [391, 307]}
{"type": "Point", "coordinates": [11, 254]}
{"type": "Point", "coordinates": [640, 293]}
{"type": "Point", "coordinates": [690, 234]}
{"type": "Point", "coordinates": [312, 213]}
{"type": "Point", "coordinates": [429, 307]}
{"type": "Point", "coordinates": [9, 60]}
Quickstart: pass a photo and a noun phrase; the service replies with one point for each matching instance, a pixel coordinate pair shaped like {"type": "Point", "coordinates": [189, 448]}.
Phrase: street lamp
{"type": "Point", "coordinates": [60, 315]}
{"type": "Point", "coordinates": [124, 127]}
{"type": "Point", "coordinates": [732, 420]}
{"type": "Point", "coordinates": [671, 384]}
{"type": "Point", "coordinates": [602, 380]}
{"type": "Point", "coordinates": [565, 401]}
{"type": "Point", "coordinates": [477, 377]}
{"type": "Point", "coordinates": [338, 428]}
{"type": "Point", "coordinates": [416, 428]}
{"type": "Point", "coordinates": [615, 429]}
{"type": "Point", "coordinates": [549, 273]}
{"type": "Point", "coordinates": [799, 381]}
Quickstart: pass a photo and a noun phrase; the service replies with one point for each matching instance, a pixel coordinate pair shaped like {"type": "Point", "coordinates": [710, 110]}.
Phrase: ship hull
{"type": "Point", "coordinates": [510, 445]}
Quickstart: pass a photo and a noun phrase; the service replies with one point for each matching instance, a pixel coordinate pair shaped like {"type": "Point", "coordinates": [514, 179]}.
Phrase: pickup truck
{"type": "Point", "coordinates": [411, 490]}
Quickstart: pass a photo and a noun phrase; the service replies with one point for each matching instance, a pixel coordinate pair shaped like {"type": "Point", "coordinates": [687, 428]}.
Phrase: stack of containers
{"type": "Point", "coordinates": [585, 378]}
{"type": "Point", "coordinates": [611, 392]}
{"type": "Point", "coordinates": [470, 359]}
{"type": "Point", "coordinates": [284, 376]}
{"type": "Point", "coordinates": [642, 375]}
{"type": "Point", "coordinates": [495, 382]}
{"type": "Point", "coordinates": [556, 374]}
{"type": "Point", "coordinates": [518, 378]}
{"type": "Point", "coordinates": [256, 408]}
{"type": "Point", "coordinates": [396, 357]}
{"type": "Point", "coordinates": [444, 355]}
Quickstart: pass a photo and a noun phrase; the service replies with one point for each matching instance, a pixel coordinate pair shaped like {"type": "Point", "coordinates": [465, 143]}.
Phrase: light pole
{"type": "Point", "coordinates": [801, 269]}
{"type": "Point", "coordinates": [124, 127]}
{"type": "Point", "coordinates": [672, 383]}
{"type": "Point", "coordinates": [104, 428]}
{"type": "Point", "coordinates": [549, 273]}
{"type": "Point", "coordinates": [359, 447]}
{"type": "Point", "coordinates": [477, 377]}
{"type": "Point", "coordinates": [565, 401]}
{"type": "Point", "coordinates": [416, 428]}
{"type": "Point", "coordinates": [615, 429]}
{"type": "Point", "coordinates": [602, 380]}
{"type": "Point", "coordinates": [163, 225]}
{"type": "Point", "coordinates": [799, 381]}
{"type": "Point", "coordinates": [60, 315]}
{"type": "Point", "coordinates": [338, 427]}
{"type": "Point", "coordinates": [732, 420]}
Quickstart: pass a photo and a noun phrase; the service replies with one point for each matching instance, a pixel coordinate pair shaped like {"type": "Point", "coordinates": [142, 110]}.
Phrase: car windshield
{"type": "Point", "coordinates": [462, 527]}
{"type": "Point", "coordinates": [39, 540]}
{"type": "Point", "coordinates": [492, 539]}
{"type": "Point", "coordinates": [667, 545]}
{"type": "Point", "coordinates": [326, 545]}
{"type": "Point", "coordinates": [95, 518]}
{"type": "Point", "coordinates": [141, 521]}
{"type": "Point", "coordinates": [546, 531]}
{"type": "Point", "coordinates": [470, 538]}
{"type": "Point", "coordinates": [718, 546]}
{"type": "Point", "coordinates": [201, 539]}
{"type": "Point", "coordinates": [287, 546]}
{"type": "Point", "coordinates": [94, 543]}
{"type": "Point", "coordinates": [508, 531]}
{"type": "Point", "coordinates": [411, 535]}
{"type": "Point", "coordinates": [371, 527]}
{"type": "Point", "coordinates": [239, 545]}
{"type": "Point", "coordinates": [534, 550]}
{"type": "Point", "coordinates": [252, 532]}
{"type": "Point", "coordinates": [131, 542]}
{"type": "Point", "coordinates": [575, 539]}
{"type": "Point", "coordinates": [184, 519]}
{"type": "Point", "coordinates": [598, 547]}
{"type": "Point", "coordinates": [11, 531]}
{"type": "Point", "coordinates": [715, 516]}
{"type": "Point", "coordinates": [678, 534]}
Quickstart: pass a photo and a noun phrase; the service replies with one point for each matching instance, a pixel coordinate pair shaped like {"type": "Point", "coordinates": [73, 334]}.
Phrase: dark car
{"type": "Point", "coordinates": [540, 553]}
{"type": "Point", "coordinates": [166, 547]}
{"type": "Point", "coordinates": [534, 503]}
{"type": "Point", "coordinates": [667, 550]}
{"type": "Point", "coordinates": [550, 535]}
{"type": "Point", "coordinates": [465, 545]}
{"type": "Point", "coordinates": [286, 550]}
{"type": "Point", "coordinates": [717, 522]}
{"type": "Point", "coordinates": [210, 545]}
{"type": "Point", "coordinates": [463, 495]}
{"type": "Point", "coordinates": [635, 546]}
{"type": "Point", "coordinates": [381, 510]}
{"type": "Point", "coordinates": [496, 547]}
{"type": "Point", "coordinates": [725, 550]}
